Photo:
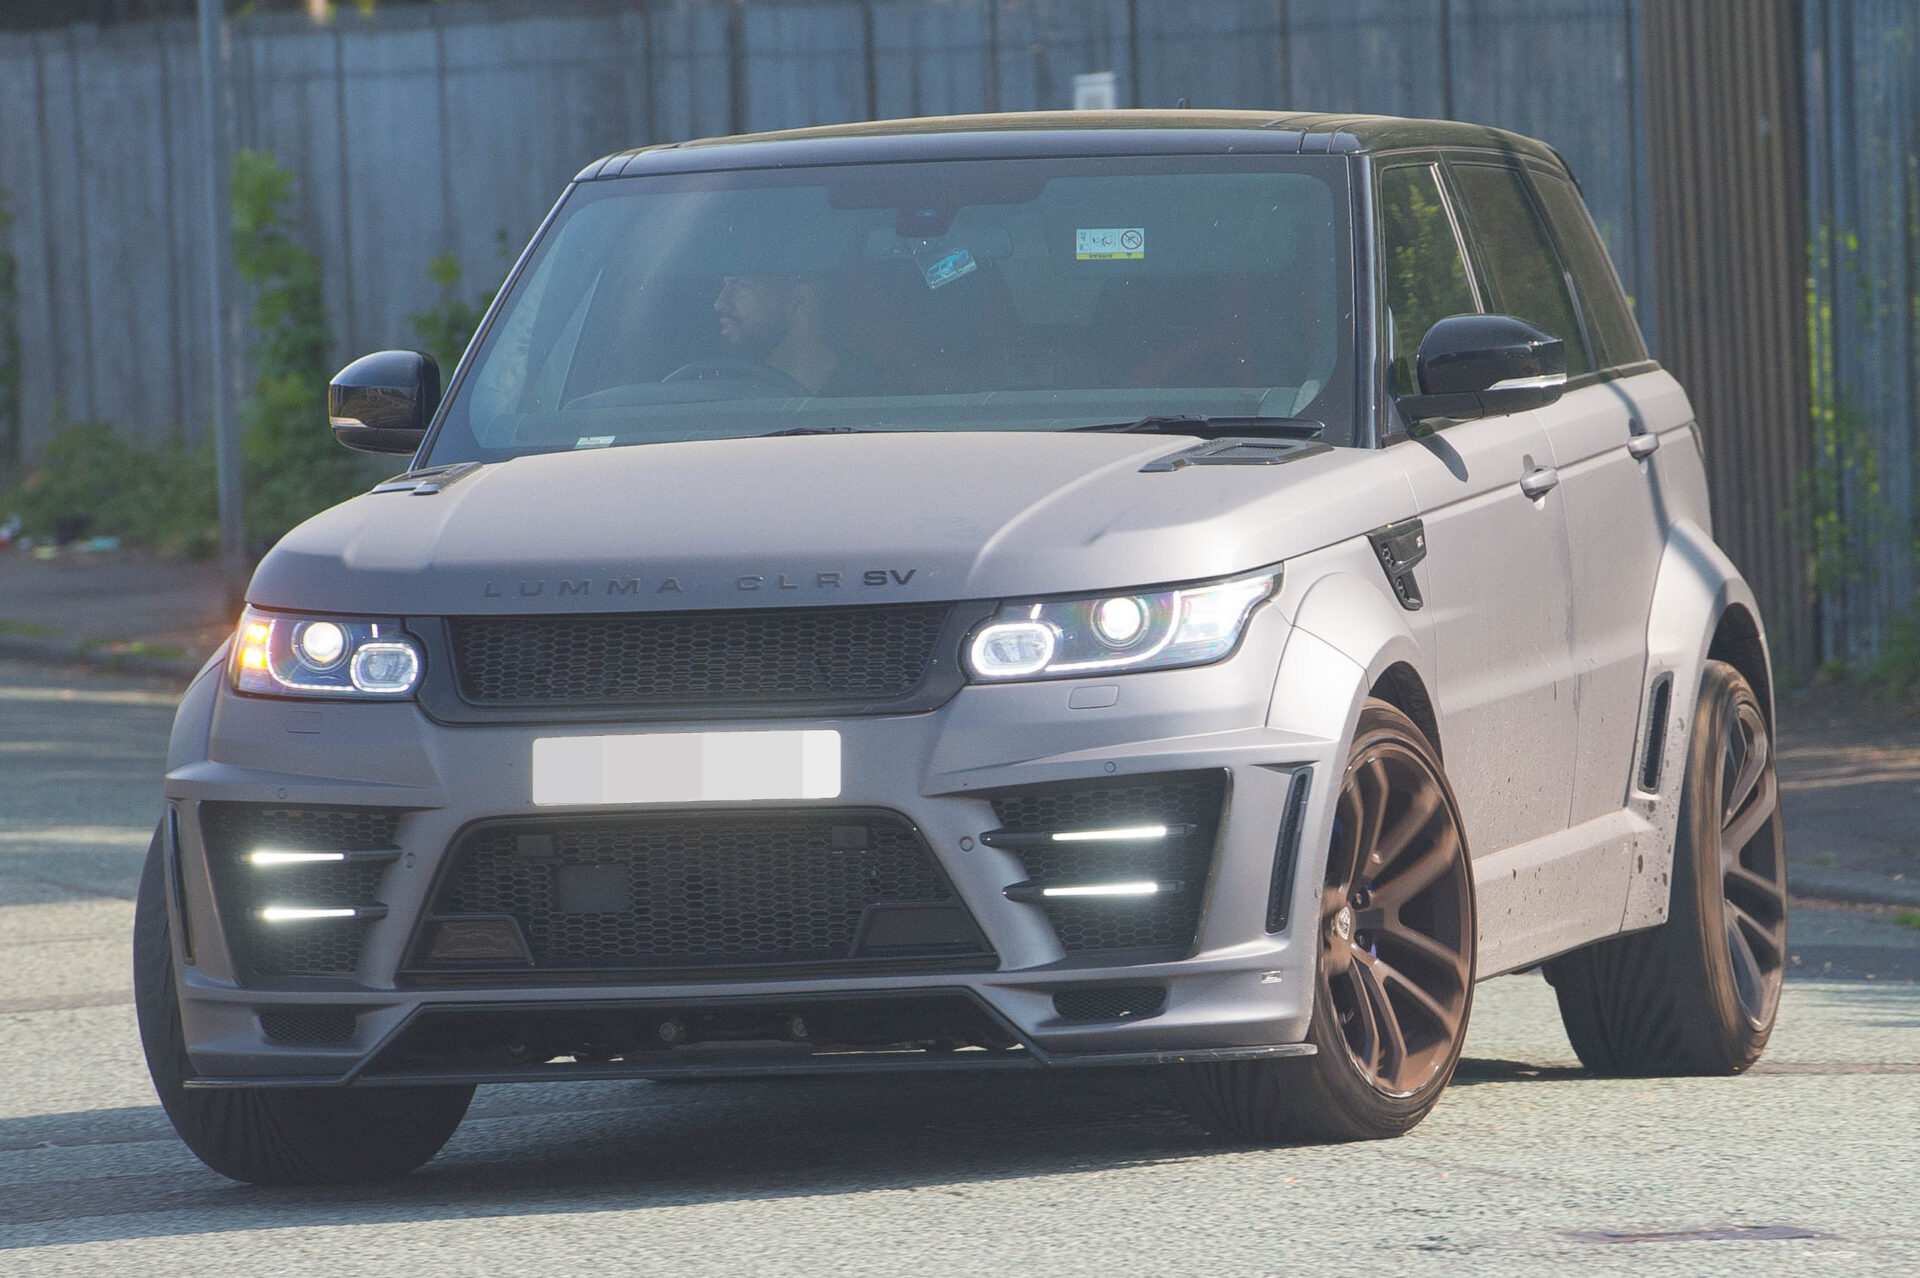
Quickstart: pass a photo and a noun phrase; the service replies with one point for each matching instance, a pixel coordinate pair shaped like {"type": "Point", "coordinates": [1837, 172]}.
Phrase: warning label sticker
{"type": "Point", "coordinates": [1108, 243]}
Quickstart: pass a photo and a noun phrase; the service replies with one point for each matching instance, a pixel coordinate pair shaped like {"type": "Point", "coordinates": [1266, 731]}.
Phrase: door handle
{"type": "Point", "coordinates": [1643, 446]}
{"type": "Point", "coordinates": [1539, 481]}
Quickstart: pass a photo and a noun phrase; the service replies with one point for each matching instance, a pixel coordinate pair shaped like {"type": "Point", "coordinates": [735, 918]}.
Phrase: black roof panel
{"type": "Point", "coordinates": [1064, 133]}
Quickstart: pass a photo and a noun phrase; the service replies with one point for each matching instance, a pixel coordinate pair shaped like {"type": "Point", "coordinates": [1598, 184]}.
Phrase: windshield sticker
{"type": "Point", "coordinates": [947, 269]}
{"type": "Point", "coordinates": [593, 441]}
{"type": "Point", "coordinates": [1111, 243]}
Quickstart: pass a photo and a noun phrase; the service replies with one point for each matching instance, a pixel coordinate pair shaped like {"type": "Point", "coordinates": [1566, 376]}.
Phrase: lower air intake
{"type": "Point", "coordinates": [328, 947]}
{"type": "Point", "coordinates": [1187, 803]}
{"type": "Point", "coordinates": [1110, 1003]}
{"type": "Point", "coordinates": [707, 890]}
{"type": "Point", "coordinates": [308, 1026]}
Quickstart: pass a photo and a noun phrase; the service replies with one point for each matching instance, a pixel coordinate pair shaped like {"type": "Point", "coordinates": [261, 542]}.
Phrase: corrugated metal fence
{"type": "Point", "coordinates": [1863, 99]}
{"type": "Point", "coordinates": [432, 129]}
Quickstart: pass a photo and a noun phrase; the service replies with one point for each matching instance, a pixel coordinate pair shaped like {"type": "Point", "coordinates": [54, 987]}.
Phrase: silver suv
{"type": "Point", "coordinates": [1053, 591]}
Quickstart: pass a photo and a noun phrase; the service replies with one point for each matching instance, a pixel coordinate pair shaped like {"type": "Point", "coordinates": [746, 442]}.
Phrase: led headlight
{"type": "Point", "coordinates": [286, 655]}
{"type": "Point", "coordinates": [1142, 630]}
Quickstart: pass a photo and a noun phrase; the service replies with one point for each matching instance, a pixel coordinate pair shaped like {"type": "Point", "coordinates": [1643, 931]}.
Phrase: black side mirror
{"type": "Point", "coordinates": [1485, 365]}
{"type": "Point", "coordinates": [382, 403]}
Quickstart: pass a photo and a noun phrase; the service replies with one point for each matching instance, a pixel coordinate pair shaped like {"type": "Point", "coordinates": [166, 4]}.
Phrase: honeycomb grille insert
{"type": "Point", "coordinates": [1110, 1003]}
{"type": "Point", "coordinates": [714, 890]}
{"type": "Point", "coordinates": [693, 659]}
{"type": "Point", "coordinates": [308, 1026]}
{"type": "Point", "coordinates": [1164, 922]}
{"type": "Point", "coordinates": [319, 947]}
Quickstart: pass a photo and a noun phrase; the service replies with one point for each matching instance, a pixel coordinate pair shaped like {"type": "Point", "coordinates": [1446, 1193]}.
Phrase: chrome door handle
{"type": "Point", "coordinates": [1643, 446]}
{"type": "Point", "coordinates": [1539, 481]}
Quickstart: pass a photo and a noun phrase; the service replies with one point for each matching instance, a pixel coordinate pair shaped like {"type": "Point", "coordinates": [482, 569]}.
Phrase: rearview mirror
{"type": "Point", "coordinates": [382, 403]}
{"type": "Point", "coordinates": [1483, 366]}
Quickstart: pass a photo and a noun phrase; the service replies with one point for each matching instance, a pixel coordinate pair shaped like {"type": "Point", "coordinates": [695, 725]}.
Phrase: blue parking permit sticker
{"type": "Point", "coordinates": [947, 269]}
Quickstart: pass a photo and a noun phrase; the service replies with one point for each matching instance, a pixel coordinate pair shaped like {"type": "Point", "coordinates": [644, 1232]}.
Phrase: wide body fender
{"type": "Point", "coordinates": [1348, 632]}
{"type": "Point", "coordinates": [1696, 586]}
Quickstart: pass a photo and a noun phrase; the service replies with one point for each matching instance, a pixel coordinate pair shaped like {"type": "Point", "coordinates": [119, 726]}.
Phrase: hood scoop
{"type": "Point", "coordinates": [427, 482]}
{"type": "Point", "coordinates": [1232, 451]}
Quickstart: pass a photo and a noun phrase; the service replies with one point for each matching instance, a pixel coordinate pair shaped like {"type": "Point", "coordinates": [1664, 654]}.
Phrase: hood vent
{"type": "Point", "coordinates": [1237, 452]}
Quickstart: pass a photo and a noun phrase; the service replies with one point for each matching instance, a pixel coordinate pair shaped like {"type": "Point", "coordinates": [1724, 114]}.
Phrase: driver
{"type": "Point", "coordinates": [778, 320]}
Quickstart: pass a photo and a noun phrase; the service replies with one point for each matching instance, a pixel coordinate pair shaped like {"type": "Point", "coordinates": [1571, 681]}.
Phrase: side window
{"type": "Point", "coordinates": [1426, 275]}
{"type": "Point", "coordinates": [1609, 323]}
{"type": "Point", "coordinates": [1519, 257]}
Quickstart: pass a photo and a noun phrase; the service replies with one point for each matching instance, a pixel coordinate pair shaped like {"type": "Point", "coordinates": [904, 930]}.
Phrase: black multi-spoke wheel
{"type": "Point", "coordinates": [1396, 946]}
{"type": "Point", "coordinates": [1699, 993]}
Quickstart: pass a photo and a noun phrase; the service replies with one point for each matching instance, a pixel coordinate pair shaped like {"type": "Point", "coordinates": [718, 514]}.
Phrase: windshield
{"type": "Point", "coordinates": [1021, 294]}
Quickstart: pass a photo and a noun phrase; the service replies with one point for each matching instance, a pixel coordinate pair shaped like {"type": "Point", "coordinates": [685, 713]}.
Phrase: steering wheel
{"type": "Point", "coordinates": [737, 370]}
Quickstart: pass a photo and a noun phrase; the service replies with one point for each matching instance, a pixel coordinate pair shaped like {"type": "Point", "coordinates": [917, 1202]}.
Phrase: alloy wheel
{"type": "Point", "coordinates": [1752, 868]}
{"type": "Point", "coordinates": [1396, 920]}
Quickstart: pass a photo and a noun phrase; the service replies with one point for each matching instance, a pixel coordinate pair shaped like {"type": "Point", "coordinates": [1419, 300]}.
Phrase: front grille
{"type": "Point", "coordinates": [1110, 1003]}
{"type": "Point", "coordinates": [315, 947]}
{"type": "Point", "coordinates": [705, 890]}
{"type": "Point", "coordinates": [697, 658]}
{"type": "Point", "coordinates": [1168, 921]}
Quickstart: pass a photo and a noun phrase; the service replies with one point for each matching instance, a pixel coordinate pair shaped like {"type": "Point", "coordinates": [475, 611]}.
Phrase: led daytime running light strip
{"type": "Point", "coordinates": [1128, 833]}
{"type": "Point", "coordinates": [1142, 888]}
{"type": "Point", "coordinates": [304, 913]}
{"type": "Point", "coordinates": [268, 856]}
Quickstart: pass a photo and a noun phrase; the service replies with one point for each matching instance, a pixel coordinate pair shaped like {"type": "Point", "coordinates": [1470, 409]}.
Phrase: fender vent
{"type": "Point", "coordinates": [1656, 745]}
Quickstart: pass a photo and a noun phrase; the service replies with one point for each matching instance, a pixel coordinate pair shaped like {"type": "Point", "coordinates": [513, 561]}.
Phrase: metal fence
{"type": "Point", "coordinates": [1863, 101]}
{"type": "Point", "coordinates": [436, 128]}
{"type": "Point", "coordinates": [433, 129]}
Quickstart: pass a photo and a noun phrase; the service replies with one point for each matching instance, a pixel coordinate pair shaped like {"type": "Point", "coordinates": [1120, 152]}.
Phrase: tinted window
{"type": "Point", "coordinates": [1005, 294]}
{"type": "Point", "coordinates": [1610, 325]}
{"type": "Point", "coordinates": [1519, 257]}
{"type": "Point", "coordinates": [1426, 275]}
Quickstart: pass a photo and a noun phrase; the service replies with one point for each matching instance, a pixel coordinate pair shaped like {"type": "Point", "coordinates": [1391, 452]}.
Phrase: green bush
{"type": "Point", "coordinates": [92, 481]}
{"type": "Point", "coordinates": [294, 468]}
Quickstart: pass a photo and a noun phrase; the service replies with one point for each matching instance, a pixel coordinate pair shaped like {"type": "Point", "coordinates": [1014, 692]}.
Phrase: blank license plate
{"type": "Point", "coordinates": [686, 767]}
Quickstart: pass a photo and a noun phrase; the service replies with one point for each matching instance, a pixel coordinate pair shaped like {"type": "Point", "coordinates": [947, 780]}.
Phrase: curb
{"type": "Point", "coordinates": [1856, 889]}
{"type": "Point", "coordinates": [95, 658]}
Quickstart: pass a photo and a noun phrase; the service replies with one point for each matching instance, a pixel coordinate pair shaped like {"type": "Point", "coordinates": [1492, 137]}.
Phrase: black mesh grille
{"type": "Point", "coordinates": [708, 890]}
{"type": "Point", "coordinates": [308, 1026]}
{"type": "Point", "coordinates": [1166, 921]}
{"type": "Point", "coordinates": [317, 947]}
{"type": "Point", "coordinates": [698, 658]}
{"type": "Point", "coordinates": [1110, 1003]}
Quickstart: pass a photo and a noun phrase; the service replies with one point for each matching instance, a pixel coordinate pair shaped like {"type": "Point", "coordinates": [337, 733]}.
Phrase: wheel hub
{"type": "Point", "coordinates": [1343, 923]}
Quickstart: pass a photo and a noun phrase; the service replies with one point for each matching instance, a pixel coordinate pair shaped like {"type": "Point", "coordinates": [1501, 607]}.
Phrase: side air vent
{"type": "Point", "coordinates": [1286, 851]}
{"type": "Point", "coordinates": [1656, 746]}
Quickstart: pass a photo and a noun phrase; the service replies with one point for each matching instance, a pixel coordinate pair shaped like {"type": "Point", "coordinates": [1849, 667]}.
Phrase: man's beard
{"type": "Point", "coordinates": [756, 341]}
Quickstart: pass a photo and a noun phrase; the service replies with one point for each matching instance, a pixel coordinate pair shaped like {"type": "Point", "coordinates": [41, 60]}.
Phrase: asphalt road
{"type": "Point", "coordinates": [1811, 1161]}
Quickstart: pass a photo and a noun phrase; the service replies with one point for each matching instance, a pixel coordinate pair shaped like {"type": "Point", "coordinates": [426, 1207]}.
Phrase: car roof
{"type": "Point", "coordinates": [1065, 133]}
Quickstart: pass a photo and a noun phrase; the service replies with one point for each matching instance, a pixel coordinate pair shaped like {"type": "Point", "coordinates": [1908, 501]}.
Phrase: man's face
{"type": "Point", "coordinates": [753, 312]}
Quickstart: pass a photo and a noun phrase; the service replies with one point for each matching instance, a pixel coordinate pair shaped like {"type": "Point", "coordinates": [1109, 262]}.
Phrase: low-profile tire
{"type": "Point", "coordinates": [1698, 994]}
{"type": "Point", "coordinates": [274, 1136]}
{"type": "Point", "coordinates": [1394, 985]}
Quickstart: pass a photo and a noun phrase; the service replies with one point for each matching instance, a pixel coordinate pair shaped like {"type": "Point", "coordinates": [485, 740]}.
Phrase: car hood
{"type": "Point", "coordinates": [812, 520]}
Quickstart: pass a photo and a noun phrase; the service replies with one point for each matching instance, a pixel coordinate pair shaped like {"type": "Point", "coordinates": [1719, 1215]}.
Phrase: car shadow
{"type": "Point", "coordinates": [571, 1148]}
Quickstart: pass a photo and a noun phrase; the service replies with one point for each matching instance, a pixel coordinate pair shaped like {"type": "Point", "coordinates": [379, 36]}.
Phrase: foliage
{"type": "Point", "coordinates": [294, 468]}
{"type": "Point", "coordinates": [445, 327]}
{"type": "Point", "coordinates": [92, 479]}
{"type": "Point", "coordinates": [1895, 669]}
{"type": "Point", "coordinates": [9, 348]}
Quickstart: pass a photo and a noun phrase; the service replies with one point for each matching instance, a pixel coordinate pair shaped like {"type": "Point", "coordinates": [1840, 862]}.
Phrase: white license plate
{"type": "Point", "coordinates": [686, 767]}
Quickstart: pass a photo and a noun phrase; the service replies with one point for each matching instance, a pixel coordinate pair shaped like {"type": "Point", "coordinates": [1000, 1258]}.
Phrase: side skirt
{"type": "Point", "coordinates": [1558, 893]}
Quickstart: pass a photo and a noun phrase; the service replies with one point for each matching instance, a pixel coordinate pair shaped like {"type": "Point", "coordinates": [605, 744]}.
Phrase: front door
{"type": "Point", "coordinates": [1495, 578]}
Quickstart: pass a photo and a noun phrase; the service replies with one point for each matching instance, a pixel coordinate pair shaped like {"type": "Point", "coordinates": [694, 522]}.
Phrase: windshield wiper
{"type": "Point", "coordinates": [812, 430]}
{"type": "Point", "coordinates": [1212, 427]}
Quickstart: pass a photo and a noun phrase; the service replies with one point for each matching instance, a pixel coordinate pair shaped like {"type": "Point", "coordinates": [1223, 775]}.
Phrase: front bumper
{"type": "Point", "coordinates": [1240, 989]}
